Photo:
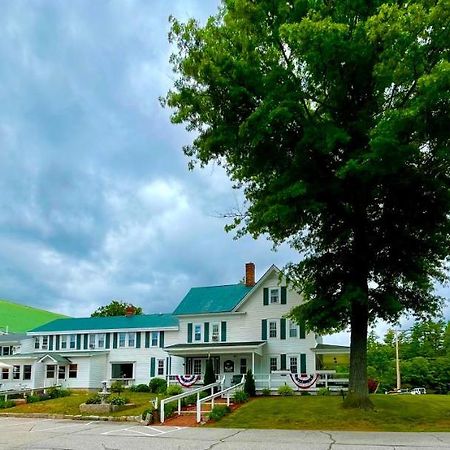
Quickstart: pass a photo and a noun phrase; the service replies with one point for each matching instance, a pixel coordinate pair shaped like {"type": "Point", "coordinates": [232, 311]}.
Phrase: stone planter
{"type": "Point", "coordinates": [102, 408]}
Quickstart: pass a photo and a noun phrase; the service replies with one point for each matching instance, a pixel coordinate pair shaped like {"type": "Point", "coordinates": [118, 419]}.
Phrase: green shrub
{"type": "Point", "coordinates": [305, 393]}
{"type": "Point", "coordinates": [323, 391]}
{"type": "Point", "coordinates": [169, 409]}
{"type": "Point", "coordinates": [158, 385]}
{"type": "Point", "coordinates": [218, 412]}
{"type": "Point", "coordinates": [249, 386]}
{"type": "Point", "coordinates": [117, 400]}
{"type": "Point", "coordinates": [56, 392]}
{"type": "Point", "coordinates": [174, 389]}
{"type": "Point", "coordinates": [93, 400]}
{"type": "Point", "coordinates": [117, 387]}
{"type": "Point", "coordinates": [240, 396]}
{"type": "Point", "coordinates": [150, 412]}
{"type": "Point", "coordinates": [33, 398]}
{"type": "Point", "coordinates": [285, 390]}
{"type": "Point", "coordinates": [6, 404]}
{"type": "Point", "coordinates": [139, 388]}
{"type": "Point", "coordinates": [265, 392]}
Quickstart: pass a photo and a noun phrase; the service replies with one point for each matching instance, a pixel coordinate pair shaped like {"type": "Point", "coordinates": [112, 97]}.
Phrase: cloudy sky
{"type": "Point", "coordinates": [95, 197]}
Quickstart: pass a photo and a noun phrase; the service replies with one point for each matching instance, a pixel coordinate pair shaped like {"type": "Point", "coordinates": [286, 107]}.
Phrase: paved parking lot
{"type": "Point", "coordinates": [43, 434]}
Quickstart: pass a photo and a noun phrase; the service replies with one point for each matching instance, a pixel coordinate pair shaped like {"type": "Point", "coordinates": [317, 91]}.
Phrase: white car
{"type": "Point", "coordinates": [418, 391]}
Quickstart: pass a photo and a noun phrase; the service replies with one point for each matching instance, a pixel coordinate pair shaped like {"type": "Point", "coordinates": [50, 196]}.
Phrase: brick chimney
{"type": "Point", "coordinates": [129, 311]}
{"type": "Point", "coordinates": [249, 274]}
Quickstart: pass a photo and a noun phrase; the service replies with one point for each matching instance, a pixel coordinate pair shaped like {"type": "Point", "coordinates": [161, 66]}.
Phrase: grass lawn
{"type": "Point", "coordinates": [69, 405]}
{"type": "Point", "coordinates": [392, 413]}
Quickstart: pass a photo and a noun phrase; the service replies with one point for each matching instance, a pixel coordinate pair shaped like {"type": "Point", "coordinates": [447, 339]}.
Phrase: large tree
{"type": "Point", "coordinates": [117, 308]}
{"type": "Point", "coordinates": [332, 116]}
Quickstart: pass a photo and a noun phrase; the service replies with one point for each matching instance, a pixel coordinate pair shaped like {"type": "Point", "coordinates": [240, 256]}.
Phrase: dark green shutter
{"type": "Point", "coordinates": [206, 332]}
{"type": "Point", "coordinates": [78, 341]}
{"type": "Point", "coordinates": [152, 367]}
{"type": "Point", "coordinates": [264, 329]}
{"type": "Point", "coordinates": [147, 339]}
{"type": "Point", "coordinates": [283, 362]}
{"type": "Point", "coordinates": [85, 341]}
{"type": "Point", "coordinates": [108, 340]}
{"type": "Point", "coordinates": [114, 340]}
{"type": "Point", "coordinates": [138, 339]}
{"type": "Point", "coordinates": [50, 343]}
{"type": "Point", "coordinates": [265, 296]}
{"type": "Point", "coordinates": [303, 363]}
{"type": "Point", "coordinates": [57, 342]}
{"type": "Point", "coordinates": [282, 328]}
{"type": "Point", "coordinates": [223, 334]}
{"type": "Point", "coordinates": [302, 333]}
{"type": "Point", "coordinates": [189, 332]}
{"type": "Point", "coordinates": [161, 339]}
{"type": "Point", "coordinates": [283, 295]}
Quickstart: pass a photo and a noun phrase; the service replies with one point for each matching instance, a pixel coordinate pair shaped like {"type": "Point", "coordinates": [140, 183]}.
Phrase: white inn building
{"type": "Point", "coordinates": [240, 327]}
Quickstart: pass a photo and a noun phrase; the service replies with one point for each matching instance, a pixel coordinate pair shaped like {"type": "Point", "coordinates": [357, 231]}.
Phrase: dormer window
{"type": "Point", "coordinates": [274, 295]}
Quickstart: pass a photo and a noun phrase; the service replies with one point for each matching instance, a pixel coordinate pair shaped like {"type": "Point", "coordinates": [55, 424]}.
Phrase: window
{"type": "Point", "coordinates": [5, 374]}
{"type": "Point", "coordinates": [44, 343]}
{"type": "Point", "coordinates": [51, 370]}
{"type": "Point", "coordinates": [73, 369]}
{"type": "Point", "coordinates": [197, 366]}
{"type": "Point", "coordinates": [122, 339]}
{"type": "Point", "coordinates": [131, 339]}
{"type": "Point", "coordinates": [293, 364]}
{"type": "Point", "coordinates": [160, 367]}
{"type": "Point", "coordinates": [63, 341]}
{"type": "Point", "coordinates": [273, 329]}
{"type": "Point", "coordinates": [101, 340]}
{"type": "Point", "coordinates": [27, 372]}
{"type": "Point", "coordinates": [154, 339]}
{"type": "Point", "coordinates": [73, 341]}
{"type": "Point", "coordinates": [273, 363]}
{"type": "Point", "coordinates": [36, 342]}
{"type": "Point", "coordinates": [6, 351]}
{"type": "Point", "coordinates": [215, 332]}
{"type": "Point", "coordinates": [92, 341]}
{"type": "Point", "coordinates": [122, 370]}
{"type": "Point", "coordinates": [243, 366]}
{"type": "Point", "coordinates": [293, 329]}
{"type": "Point", "coordinates": [61, 372]}
{"type": "Point", "coordinates": [274, 295]}
{"type": "Point", "coordinates": [197, 332]}
{"type": "Point", "coordinates": [16, 372]}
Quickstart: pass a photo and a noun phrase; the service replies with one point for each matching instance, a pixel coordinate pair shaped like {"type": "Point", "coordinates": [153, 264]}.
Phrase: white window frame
{"type": "Point", "coordinates": [45, 342]}
{"type": "Point", "coordinates": [215, 337]}
{"type": "Point", "coordinates": [73, 369]}
{"type": "Point", "coordinates": [200, 334]}
{"type": "Point", "coordinates": [131, 340]}
{"type": "Point", "coordinates": [5, 373]}
{"type": "Point", "coordinates": [72, 340]}
{"type": "Point", "coordinates": [277, 299]}
{"type": "Point", "coordinates": [63, 342]}
{"type": "Point", "coordinates": [199, 366]}
{"type": "Point", "coordinates": [277, 358]}
{"type": "Point", "coordinates": [37, 342]}
{"type": "Point", "coordinates": [160, 367]}
{"type": "Point", "coordinates": [276, 329]}
{"type": "Point", "coordinates": [26, 375]}
{"type": "Point", "coordinates": [154, 339]}
{"type": "Point", "coordinates": [92, 341]}
{"type": "Point", "coordinates": [16, 372]}
{"type": "Point", "coordinates": [293, 326]}
{"type": "Point", "coordinates": [100, 340]}
{"type": "Point", "coordinates": [288, 357]}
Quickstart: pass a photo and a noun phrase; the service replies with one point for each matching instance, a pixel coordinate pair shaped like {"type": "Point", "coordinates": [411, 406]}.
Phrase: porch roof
{"type": "Point", "coordinates": [330, 348]}
{"type": "Point", "coordinates": [215, 347]}
{"type": "Point", "coordinates": [56, 359]}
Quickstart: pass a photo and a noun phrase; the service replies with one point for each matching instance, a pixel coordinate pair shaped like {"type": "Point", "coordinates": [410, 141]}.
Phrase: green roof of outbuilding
{"type": "Point", "coordinates": [212, 299]}
{"type": "Point", "coordinates": [110, 323]}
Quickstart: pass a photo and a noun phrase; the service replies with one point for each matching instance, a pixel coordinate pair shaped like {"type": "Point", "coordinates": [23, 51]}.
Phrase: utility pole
{"type": "Point", "coordinates": [397, 361]}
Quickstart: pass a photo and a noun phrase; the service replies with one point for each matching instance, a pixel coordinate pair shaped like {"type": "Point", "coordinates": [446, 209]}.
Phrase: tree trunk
{"type": "Point", "coordinates": [358, 392]}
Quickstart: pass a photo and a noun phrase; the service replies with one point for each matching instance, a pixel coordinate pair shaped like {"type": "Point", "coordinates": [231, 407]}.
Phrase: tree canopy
{"type": "Point", "coordinates": [116, 308]}
{"type": "Point", "coordinates": [333, 119]}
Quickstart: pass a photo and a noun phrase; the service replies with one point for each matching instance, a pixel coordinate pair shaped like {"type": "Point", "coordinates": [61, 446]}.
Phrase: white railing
{"type": "Point", "coordinates": [179, 397]}
{"type": "Point", "coordinates": [217, 394]}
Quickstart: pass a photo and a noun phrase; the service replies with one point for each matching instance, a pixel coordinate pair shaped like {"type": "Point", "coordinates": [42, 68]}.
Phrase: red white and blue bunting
{"type": "Point", "coordinates": [187, 380]}
{"type": "Point", "coordinates": [303, 382]}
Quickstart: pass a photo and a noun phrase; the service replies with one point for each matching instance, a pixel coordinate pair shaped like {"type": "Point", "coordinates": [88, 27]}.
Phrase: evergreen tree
{"type": "Point", "coordinates": [249, 386]}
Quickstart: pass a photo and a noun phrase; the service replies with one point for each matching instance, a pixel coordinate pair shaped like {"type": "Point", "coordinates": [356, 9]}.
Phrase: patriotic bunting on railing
{"type": "Point", "coordinates": [187, 380]}
{"type": "Point", "coordinates": [303, 382]}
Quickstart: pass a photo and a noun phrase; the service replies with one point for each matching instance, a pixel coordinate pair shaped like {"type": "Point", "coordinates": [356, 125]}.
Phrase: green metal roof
{"type": "Point", "coordinates": [212, 299]}
{"type": "Point", "coordinates": [110, 323]}
{"type": "Point", "coordinates": [21, 318]}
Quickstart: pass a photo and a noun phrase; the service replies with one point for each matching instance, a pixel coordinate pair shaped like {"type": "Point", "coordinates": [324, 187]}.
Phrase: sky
{"type": "Point", "coordinates": [96, 199]}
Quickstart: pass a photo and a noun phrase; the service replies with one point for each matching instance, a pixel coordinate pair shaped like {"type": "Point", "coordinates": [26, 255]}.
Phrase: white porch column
{"type": "Point", "coordinates": [253, 363]}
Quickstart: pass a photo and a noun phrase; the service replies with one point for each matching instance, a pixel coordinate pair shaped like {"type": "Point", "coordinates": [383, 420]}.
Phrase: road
{"type": "Point", "coordinates": [43, 434]}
